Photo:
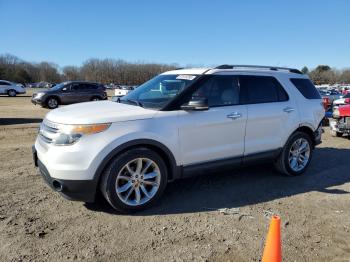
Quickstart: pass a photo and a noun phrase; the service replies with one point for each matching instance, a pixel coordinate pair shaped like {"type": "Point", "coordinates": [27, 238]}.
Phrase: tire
{"type": "Point", "coordinates": [11, 93]}
{"type": "Point", "coordinates": [95, 98]}
{"type": "Point", "coordinates": [336, 134]}
{"type": "Point", "coordinates": [283, 163]}
{"type": "Point", "coordinates": [52, 102]}
{"type": "Point", "coordinates": [117, 177]}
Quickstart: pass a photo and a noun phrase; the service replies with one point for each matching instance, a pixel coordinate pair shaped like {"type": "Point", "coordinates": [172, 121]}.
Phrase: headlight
{"type": "Point", "coordinates": [62, 135]}
{"type": "Point", "coordinates": [39, 95]}
{"type": "Point", "coordinates": [335, 113]}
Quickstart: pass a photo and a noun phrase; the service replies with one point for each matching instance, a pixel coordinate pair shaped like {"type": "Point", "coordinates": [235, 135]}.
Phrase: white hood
{"type": "Point", "coordinates": [98, 112]}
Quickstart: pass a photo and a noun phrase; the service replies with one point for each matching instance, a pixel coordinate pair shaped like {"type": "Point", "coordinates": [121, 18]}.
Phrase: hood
{"type": "Point", "coordinates": [98, 112]}
{"type": "Point", "coordinates": [344, 110]}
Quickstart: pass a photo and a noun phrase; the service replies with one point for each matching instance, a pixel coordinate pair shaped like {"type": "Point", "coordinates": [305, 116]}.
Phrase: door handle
{"type": "Point", "coordinates": [288, 109]}
{"type": "Point", "coordinates": [234, 115]}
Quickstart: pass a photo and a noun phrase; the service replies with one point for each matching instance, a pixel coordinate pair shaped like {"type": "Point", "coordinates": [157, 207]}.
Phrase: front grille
{"type": "Point", "coordinates": [48, 131]}
{"type": "Point", "coordinates": [347, 121]}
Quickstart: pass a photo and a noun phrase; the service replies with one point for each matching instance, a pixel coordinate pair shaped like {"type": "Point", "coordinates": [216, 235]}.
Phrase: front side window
{"type": "Point", "coordinates": [158, 91]}
{"type": "Point", "coordinates": [79, 87]}
{"type": "Point", "coordinates": [261, 89]}
{"type": "Point", "coordinates": [4, 83]}
{"type": "Point", "coordinates": [220, 90]}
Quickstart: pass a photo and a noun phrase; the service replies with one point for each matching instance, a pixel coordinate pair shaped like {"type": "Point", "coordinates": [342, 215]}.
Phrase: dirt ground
{"type": "Point", "coordinates": [189, 223]}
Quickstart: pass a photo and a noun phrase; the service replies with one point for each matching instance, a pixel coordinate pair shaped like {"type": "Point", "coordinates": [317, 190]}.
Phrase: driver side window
{"type": "Point", "coordinates": [220, 90]}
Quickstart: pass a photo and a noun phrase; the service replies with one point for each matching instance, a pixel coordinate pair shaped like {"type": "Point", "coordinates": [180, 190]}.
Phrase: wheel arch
{"type": "Point", "coordinates": [307, 130]}
{"type": "Point", "coordinates": [53, 96]}
{"type": "Point", "coordinates": [174, 171]}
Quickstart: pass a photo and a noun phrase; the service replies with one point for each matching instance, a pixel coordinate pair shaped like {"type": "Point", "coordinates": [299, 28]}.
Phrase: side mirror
{"type": "Point", "coordinates": [196, 104]}
{"type": "Point", "coordinates": [64, 89]}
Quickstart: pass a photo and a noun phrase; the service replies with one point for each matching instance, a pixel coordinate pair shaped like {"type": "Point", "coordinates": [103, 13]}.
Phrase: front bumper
{"type": "Point", "coordinates": [36, 101]}
{"type": "Point", "coordinates": [79, 190]}
{"type": "Point", "coordinates": [340, 126]}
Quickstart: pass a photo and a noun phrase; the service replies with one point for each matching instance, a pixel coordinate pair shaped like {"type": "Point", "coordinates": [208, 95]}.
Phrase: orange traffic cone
{"type": "Point", "coordinates": [273, 250]}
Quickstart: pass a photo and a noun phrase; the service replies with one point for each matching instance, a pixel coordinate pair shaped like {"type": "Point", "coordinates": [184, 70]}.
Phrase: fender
{"type": "Point", "coordinates": [174, 170]}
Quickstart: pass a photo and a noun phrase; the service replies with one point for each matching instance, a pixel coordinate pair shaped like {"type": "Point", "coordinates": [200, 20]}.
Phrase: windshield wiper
{"type": "Point", "coordinates": [136, 102]}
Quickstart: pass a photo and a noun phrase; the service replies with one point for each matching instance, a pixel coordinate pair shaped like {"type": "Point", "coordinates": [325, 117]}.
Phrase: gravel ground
{"type": "Point", "coordinates": [217, 217]}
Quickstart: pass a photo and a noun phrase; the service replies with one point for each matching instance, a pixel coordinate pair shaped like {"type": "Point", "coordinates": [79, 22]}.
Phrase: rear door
{"type": "Point", "coordinates": [271, 114]}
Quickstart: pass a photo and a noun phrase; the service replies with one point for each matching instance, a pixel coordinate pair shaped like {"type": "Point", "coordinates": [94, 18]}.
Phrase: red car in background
{"type": "Point", "coordinates": [340, 123]}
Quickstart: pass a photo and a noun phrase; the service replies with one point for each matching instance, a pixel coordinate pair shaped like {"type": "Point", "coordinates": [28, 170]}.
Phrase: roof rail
{"type": "Point", "coordinates": [273, 68]}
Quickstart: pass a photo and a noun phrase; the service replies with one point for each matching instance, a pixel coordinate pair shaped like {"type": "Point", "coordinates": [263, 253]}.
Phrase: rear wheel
{"type": "Point", "coordinates": [95, 98]}
{"type": "Point", "coordinates": [52, 102]}
{"type": "Point", "coordinates": [296, 155]}
{"type": "Point", "coordinates": [134, 180]}
{"type": "Point", "coordinates": [12, 93]}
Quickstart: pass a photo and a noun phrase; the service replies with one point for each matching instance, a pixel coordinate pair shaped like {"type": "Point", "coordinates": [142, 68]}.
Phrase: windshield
{"type": "Point", "coordinates": [59, 86]}
{"type": "Point", "coordinates": [158, 91]}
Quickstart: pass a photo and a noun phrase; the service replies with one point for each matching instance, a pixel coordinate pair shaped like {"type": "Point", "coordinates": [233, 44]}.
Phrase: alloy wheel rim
{"type": "Point", "coordinates": [138, 181]}
{"type": "Point", "coordinates": [299, 154]}
{"type": "Point", "coordinates": [12, 93]}
{"type": "Point", "coordinates": [52, 103]}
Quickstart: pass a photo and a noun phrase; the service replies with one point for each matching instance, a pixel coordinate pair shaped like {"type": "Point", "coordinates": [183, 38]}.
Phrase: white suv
{"type": "Point", "coordinates": [182, 122]}
{"type": "Point", "coordinates": [11, 89]}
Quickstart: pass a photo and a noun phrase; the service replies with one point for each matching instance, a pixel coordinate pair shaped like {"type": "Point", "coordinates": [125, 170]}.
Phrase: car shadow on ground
{"type": "Point", "coordinates": [246, 186]}
{"type": "Point", "coordinates": [17, 121]}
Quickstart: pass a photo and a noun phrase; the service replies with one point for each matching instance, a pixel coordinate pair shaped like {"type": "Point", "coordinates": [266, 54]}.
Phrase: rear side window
{"type": "Point", "coordinates": [306, 88]}
{"type": "Point", "coordinates": [261, 89]}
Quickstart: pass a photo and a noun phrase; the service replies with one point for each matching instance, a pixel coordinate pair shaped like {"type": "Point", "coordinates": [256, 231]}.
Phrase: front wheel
{"type": "Point", "coordinates": [134, 180]}
{"type": "Point", "coordinates": [52, 102]}
{"type": "Point", "coordinates": [11, 93]}
{"type": "Point", "coordinates": [296, 155]}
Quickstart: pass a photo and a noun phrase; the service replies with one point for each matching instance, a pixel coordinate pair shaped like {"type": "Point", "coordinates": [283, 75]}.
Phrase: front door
{"type": "Point", "coordinates": [217, 133]}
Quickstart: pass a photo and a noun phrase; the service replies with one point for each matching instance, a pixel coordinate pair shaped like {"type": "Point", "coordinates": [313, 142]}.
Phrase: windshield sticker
{"type": "Point", "coordinates": [185, 77]}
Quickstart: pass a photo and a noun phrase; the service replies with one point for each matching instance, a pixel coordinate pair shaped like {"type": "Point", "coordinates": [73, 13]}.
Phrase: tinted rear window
{"type": "Point", "coordinates": [306, 88]}
{"type": "Point", "coordinates": [261, 89]}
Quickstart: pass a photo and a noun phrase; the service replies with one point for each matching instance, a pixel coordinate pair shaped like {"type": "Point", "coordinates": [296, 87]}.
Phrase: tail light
{"type": "Point", "coordinates": [347, 100]}
{"type": "Point", "coordinates": [326, 102]}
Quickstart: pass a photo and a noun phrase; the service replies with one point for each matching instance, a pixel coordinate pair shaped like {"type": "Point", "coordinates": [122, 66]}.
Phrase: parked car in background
{"type": "Point", "coordinates": [340, 124]}
{"type": "Point", "coordinates": [122, 90]}
{"type": "Point", "coordinates": [342, 101]}
{"type": "Point", "coordinates": [10, 88]}
{"type": "Point", "coordinates": [69, 93]}
{"type": "Point", "coordinates": [330, 94]}
{"type": "Point", "coordinates": [180, 123]}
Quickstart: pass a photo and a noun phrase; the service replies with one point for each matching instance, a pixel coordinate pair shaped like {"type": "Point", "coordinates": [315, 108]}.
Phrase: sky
{"type": "Point", "coordinates": [199, 33]}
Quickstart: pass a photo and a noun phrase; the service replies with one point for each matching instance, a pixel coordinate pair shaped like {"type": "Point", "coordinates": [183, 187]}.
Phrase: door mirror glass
{"type": "Point", "coordinates": [196, 104]}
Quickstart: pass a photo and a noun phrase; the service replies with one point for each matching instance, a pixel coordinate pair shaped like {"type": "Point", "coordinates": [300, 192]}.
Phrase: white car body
{"type": "Point", "coordinates": [122, 91]}
{"type": "Point", "coordinates": [10, 88]}
{"type": "Point", "coordinates": [191, 137]}
{"type": "Point", "coordinates": [340, 101]}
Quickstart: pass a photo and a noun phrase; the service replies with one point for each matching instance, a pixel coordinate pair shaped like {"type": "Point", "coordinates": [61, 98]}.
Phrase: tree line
{"type": "Point", "coordinates": [119, 71]}
{"type": "Point", "coordinates": [103, 71]}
